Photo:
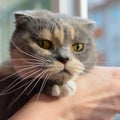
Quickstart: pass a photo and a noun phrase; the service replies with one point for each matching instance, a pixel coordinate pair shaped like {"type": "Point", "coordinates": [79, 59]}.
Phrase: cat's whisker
{"type": "Point", "coordinates": [20, 50]}
{"type": "Point", "coordinates": [6, 93]}
{"type": "Point", "coordinates": [22, 80]}
{"type": "Point", "coordinates": [19, 71]}
{"type": "Point", "coordinates": [29, 59]}
{"type": "Point", "coordinates": [25, 89]}
{"type": "Point", "coordinates": [39, 57]}
{"type": "Point", "coordinates": [20, 59]}
{"type": "Point", "coordinates": [21, 86]}
{"type": "Point", "coordinates": [36, 57]}
{"type": "Point", "coordinates": [42, 86]}
{"type": "Point", "coordinates": [33, 56]}
{"type": "Point", "coordinates": [40, 63]}
{"type": "Point", "coordinates": [23, 65]}
{"type": "Point", "coordinates": [37, 82]}
{"type": "Point", "coordinates": [8, 87]}
{"type": "Point", "coordinates": [29, 63]}
{"type": "Point", "coordinates": [14, 82]}
{"type": "Point", "coordinates": [37, 60]}
{"type": "Point", "coordinates": [78, 68]}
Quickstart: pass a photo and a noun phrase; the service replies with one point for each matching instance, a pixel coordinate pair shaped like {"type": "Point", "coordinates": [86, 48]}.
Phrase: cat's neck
{"type": "Point", "coordinates": [6, 68]}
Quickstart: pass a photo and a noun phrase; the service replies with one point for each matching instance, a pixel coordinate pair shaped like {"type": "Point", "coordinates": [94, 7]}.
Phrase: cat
{"type": "Point", "coordinates": [48, 52]}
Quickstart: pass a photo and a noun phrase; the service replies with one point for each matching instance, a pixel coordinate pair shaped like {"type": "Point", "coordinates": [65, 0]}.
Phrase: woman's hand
{"type": "Point", "coordinates": [97, 98]}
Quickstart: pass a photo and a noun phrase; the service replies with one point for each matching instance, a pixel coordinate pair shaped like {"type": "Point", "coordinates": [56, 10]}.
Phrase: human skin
{"type": "Point", "coordinates": [97, 98]}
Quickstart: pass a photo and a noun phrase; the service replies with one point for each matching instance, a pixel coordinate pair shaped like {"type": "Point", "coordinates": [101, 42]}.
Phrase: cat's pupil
{"type": "Point", "coordinates": [42, 43]}
{"type": "Point", "coordinates": [78, 47]}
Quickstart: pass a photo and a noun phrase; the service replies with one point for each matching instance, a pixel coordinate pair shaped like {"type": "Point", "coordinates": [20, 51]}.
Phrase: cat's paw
{"type": "Point", "coordinates": [67, 89]}
{"type": "Point", "coordinates": [56, 90]}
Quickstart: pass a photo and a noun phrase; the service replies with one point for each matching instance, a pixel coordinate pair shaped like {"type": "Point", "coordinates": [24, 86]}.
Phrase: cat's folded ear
{"type": "Point", "coordinates": [87, 23]}
{"type": "Point", "coordinates": [22, 17]}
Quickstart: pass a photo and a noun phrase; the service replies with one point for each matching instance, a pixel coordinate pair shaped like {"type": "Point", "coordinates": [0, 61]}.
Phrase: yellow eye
{"type": "Point", "coordinates": [45, 44]}
{"type": "Point", "coordinates": [78, 47]}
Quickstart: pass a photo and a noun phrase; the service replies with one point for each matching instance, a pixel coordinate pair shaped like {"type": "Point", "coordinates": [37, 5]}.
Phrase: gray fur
{"type": "Point", "coordinates": [32, 26]}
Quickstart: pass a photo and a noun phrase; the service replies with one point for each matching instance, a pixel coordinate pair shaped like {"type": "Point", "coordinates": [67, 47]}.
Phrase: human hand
{"type": "Point", "coordinates": [97, 98]}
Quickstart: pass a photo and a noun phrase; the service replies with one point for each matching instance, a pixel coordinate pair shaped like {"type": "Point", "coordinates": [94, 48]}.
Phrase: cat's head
{"type": "Point", "coordinates": [51, 45]}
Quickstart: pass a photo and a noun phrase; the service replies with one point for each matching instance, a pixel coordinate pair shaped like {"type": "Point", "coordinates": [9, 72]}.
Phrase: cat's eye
{"type": "Point", "coordinates": [45, 44]}
{"type": "Point", "coordinates": [78, 47]}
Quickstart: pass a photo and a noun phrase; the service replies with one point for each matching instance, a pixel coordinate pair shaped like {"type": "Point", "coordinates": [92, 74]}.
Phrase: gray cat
{"type": "Point", "coordinates": [48, 52]}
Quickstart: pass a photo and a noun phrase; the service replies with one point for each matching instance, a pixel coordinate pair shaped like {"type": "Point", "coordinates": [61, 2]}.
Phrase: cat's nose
{"type": "Point", "coordinates": [62, 55]}
{"type": "Point", "coordinates": [63, 60]}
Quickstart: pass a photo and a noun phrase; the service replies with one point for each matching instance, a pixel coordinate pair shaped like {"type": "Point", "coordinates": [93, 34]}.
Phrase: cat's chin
{"type": "Point", "coordinates": [64, 71]}
{"type": "Point", "coordinates": [63, 76]}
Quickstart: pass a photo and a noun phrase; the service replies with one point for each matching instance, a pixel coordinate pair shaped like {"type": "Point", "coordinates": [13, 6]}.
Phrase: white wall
{"type": "Point", "coordinates": [83, 8]}
{"type": "Point", "coordinates": [66, 6]}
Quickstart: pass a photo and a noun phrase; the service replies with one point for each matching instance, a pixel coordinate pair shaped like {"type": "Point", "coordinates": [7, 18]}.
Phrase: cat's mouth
{"type": "Point", "coordinates": [65, 71]}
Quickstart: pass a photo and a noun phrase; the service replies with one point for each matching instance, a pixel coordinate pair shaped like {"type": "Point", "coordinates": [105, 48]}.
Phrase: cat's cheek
{"type": "Point", "coordinates": [24, 71]}
{"type": "Point", "coordinates": [29, 72]}
{"type": "Point", "coordinates": [21, 66]}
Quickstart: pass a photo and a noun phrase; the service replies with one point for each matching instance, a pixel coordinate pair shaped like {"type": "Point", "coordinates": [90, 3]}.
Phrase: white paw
{"type": "Point", "coordinates": [55, 90]}
{"type": "Point", "coordinates": [67, 89]}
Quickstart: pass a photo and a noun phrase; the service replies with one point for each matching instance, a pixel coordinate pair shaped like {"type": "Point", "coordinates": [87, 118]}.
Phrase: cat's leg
{"type": "Point", "coordinates": [66, 89]}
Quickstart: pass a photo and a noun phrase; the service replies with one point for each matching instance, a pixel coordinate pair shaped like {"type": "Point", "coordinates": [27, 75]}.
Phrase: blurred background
{"type": "Point", "coordinates": [106, 13]}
